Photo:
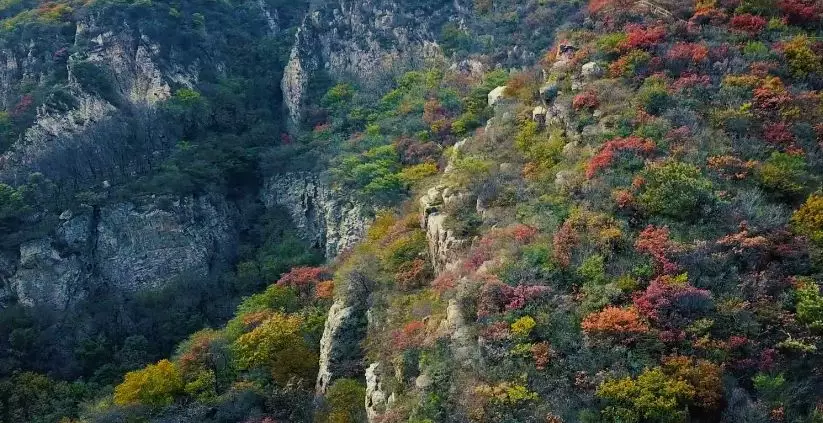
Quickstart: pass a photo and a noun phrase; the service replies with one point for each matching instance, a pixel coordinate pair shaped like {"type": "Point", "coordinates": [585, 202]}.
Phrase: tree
{"type": "Point", "coordinates": [609, 151]}
{"type": "Point", "coordinates": [809, 304]}
{"type": "Point", "coordinates": [303, 279]}
{"type": "Point", "coordinates": [785, 175]}
{"type": "Point", "coordinates": [156, 385]}
{"type": "Point", "coordinates": [652, 396]}
{"type": "Point", "coordinates": [802, 60]}
{"type": "Point", "coordinates": [345, 401]}
{"type": "Point", "coordinates": [278, 345]}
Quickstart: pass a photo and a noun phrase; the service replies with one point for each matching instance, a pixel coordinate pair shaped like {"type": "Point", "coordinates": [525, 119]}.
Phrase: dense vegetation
{"type": "Point", "coordinates": [641, 223]}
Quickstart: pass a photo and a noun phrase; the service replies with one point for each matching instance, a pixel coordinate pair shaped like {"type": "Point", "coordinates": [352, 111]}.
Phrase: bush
{"type": "Point", "coordinates": [809, 304]}
{"type": "Point", "coordinates": [808, 219]}
{"type": "Point", "coordinates": [674, 189]}
{"type": "Point", "coordinates": [277, 345]}
{"type": "Point", "coordinates": [784, 175]}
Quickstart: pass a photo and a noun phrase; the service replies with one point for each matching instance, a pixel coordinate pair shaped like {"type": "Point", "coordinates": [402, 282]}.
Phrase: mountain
{"type": "Point", "coordinates": [424, 211]}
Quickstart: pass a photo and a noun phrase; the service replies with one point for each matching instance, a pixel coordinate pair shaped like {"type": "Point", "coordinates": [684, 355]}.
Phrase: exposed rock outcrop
{"type": "Point", "coordinates": [126, 247]}
{"type": "Point", "coordinates": [341, 353]}
{"type": "Point", "coordinates": [444, 244]}
{"type": "Point", "coordinates": [360, 39]}
{"type": "Point", "coordinates": [496, 94]}
{"type": "Point", "coordinates": [109, 73]}
{"type": "Point", "coordinates": [328, 219]}
{"type": "Point", "coordinates": [376, 398]}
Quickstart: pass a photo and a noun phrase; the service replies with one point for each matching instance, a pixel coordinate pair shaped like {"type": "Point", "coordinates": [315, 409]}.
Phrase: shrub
{"type": "Point", "coordinates": [800, 11]}
{"type": "Point", "coordinates": [808, 219]}
{"type": "Point", "coordinates": [277, 344]}
{"type": "Point", "coordinates": [748, 23]}
{"type": "Point", "coordinates": [638, 36]}
{"type": "Point", "coordinates": [809, 304]}
{"type": "Point", "coordinates": [506, 393]}
{"type": "Point", "coordinates": [655, 242]}
{"type": "Point", "coordinates": [703, 375]}
{"type": "Point", "coordinates": [688, 52]}
{"type": "Point", "coordinates": [802, 60]}
{"type": "Point", "coordinates": [630, 64]}
{"type": "Point", "coordinates": [674, 189]}
{"type": "Point", "coordinates": [344, 402]}
{"type": "Point", "coordinates": [653, 396]}
{"type": "Point", "coordinates": [303, 279]}
{"type": "Point", "coordinates": [523, 326]}
{"type": "Point", "coordinates": [653, 96]}
{"type": "Point", "coordinates": [615, 322]}
{"type": "Point", "coordinates": [585, 101]}
{"type": "Point", "coordinates": [672, 301]}
{"type": "Point", "coordinates": [663, 394]}
{"type": "Point", "coordinates": [784, 174]}
{"type": "Point", "coordinates": [607, 153]}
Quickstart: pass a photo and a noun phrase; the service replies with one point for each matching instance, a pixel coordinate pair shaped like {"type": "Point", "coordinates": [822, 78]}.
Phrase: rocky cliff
{"type": "Point", "coordinates": [362, 40]}
{"type": "Point", "coordinates": [126, 247]}
{"type": "Point", "coordinates": [330, 220]}
{"type": "Point", "coordinates": [108, 75]}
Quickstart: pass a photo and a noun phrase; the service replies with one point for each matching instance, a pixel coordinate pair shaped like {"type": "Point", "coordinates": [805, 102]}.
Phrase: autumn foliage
{"type": "Point", "coordinates": [614, 321]}
{"type": "Point", "coordinates": [612, 148]}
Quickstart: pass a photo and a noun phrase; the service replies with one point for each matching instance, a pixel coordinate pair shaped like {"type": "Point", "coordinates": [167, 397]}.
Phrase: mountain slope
{"type": "Point", "coordinates": [612, 218]}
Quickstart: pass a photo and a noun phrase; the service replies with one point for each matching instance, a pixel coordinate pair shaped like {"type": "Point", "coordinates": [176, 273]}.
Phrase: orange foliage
{"type": "Point", "coordinates": [614, 321]}
{"type": "Point", "coordinates": [324, 290]}
{"type": "Point", "coordinates": [607, 154]}
{"type": "Point", "coordinates": [655, 241]}
{"type": "Point", "coordinates": [542, 354]}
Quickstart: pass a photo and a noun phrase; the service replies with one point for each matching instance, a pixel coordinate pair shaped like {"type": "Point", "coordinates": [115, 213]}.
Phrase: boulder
{"type": "Point", "coordinates": [496, 94]}
{"type": "Point", "coordinates": [591, 70]}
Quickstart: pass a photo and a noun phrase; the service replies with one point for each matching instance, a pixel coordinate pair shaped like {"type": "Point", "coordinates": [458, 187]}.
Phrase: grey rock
{"type": "Point", "coordinates": [341, 353]}
{"type": "Point", "coordinates": [376, 398]}
{"type": "Point", "coordinates": [591, 70]}
{"type": "Point", "coordinates": [130, 247]}
{"type": "Point", "coordinates": [368, 39]}
{"type": "Point", "coordinates": [444, 244]}
{"type": "Point", "coordinates": [328, 219]}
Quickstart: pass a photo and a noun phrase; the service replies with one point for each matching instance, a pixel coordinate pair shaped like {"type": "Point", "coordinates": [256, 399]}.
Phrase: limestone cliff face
{"type": "Point", "coordinates": [363, 40]}
{"type": "Point", "coordinates": [341, 352]}
{"type": "Point", "coordinates": [128, 72]}
{"type": "Point", "coordinates": [328, 219]}
{"type": "Point", "coordinates": [126, 247]}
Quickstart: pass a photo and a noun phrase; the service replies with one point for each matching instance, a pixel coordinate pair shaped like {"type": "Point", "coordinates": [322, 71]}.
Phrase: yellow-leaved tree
{"type": "Point", "coordinates": [155, 385]}
{"type": "Point", "coordinates": [278, 345]}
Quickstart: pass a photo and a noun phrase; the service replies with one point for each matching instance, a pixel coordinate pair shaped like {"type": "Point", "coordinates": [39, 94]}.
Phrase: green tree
{"type": "Point", "coordinates": [345, 401]}
{"type": "Point", "coordinates": [785, 175]}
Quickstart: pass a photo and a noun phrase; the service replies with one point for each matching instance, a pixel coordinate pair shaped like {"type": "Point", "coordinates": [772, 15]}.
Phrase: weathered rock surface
{"type": "Point", "coordinates": [360, 39]}
{"type": "Point", "coordinates": [376, 398]}
{"type": "Point", "coordinates": [444, 244]}
{"type": "Point", "coordinates": [136, 73]}
{"type": "Point", "coordinates": [496, 94]}
{"type": "Point", "coordinates": [126, 247]}
{"type": "Point", "coordinates": [329, 220]}
{"type": "Point", "coordinates": [341, 352]}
